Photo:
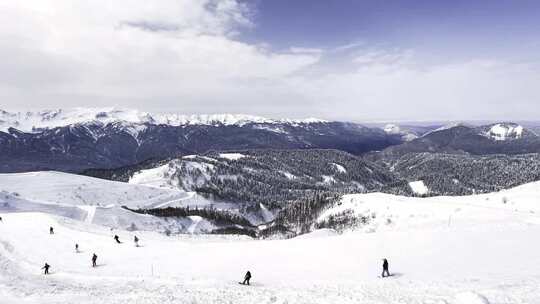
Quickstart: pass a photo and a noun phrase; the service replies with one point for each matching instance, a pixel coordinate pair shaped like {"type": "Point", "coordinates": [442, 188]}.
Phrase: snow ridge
{"type": "Point", "coordinates": [47, 119]}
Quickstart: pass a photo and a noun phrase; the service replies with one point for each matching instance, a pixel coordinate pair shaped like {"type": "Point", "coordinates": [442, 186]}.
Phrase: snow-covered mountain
{"type": "Point", "coordinates": [504, 131]}
{"type": "Point", "coordinates": [79, 139]}
{"type": "Point", "coordinates": [498, 138]}
{"type": "Point", "coordinates": [48, 119]}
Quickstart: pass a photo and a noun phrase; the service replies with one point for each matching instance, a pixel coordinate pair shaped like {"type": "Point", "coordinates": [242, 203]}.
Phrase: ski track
{"type": "Point", "coordinates": [90, 213]}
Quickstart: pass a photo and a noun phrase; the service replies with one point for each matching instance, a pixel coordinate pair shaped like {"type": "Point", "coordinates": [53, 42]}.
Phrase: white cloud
{"type": "Point", "coordinates": [53, 52]}
{"type": "Point", "coordinates": [303, 50]}
{"type": "Point", "coordinates": [185, 56]}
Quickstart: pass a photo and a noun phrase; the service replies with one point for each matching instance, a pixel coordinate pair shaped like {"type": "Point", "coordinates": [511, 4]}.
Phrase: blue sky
{"type": "Point", "coordinates": [439, 28]}
{"type": "Point", "coordinates": [344, 59]}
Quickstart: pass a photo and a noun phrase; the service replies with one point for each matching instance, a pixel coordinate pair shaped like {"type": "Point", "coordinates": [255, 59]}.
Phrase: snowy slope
{"type": "Point", "coordinates": [389, 212]}
{"type": "Point", "coordinates": [97, 201]}
{"type": "Point", "coordinates": [485, 255]}
{"type": "Point", "coordinates": [30, 121]}
{"type": "Point", "coordinates": [71, 189]}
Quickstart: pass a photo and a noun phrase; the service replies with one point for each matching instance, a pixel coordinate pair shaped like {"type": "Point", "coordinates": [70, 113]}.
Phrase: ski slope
{"type": "Point", "coordinates": [72, 189]}
{"type": "Point", "coordinates": [442, 250]}
{"type": "Point", "coordinates": [96, 201]}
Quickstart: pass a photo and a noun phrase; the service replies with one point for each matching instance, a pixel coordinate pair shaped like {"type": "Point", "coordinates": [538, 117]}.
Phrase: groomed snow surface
{"type": "Point", "coordinates": [445, 250]}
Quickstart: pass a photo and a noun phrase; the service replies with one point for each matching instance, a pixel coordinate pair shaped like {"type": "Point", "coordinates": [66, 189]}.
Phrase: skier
{"type": "Point", "coordinates": [77, 248]}
{"type": "Point", "coordinates": [0, 219]}
{"type": "Point", "coordinates": [385, 268]}
{"type": "Point", "coordinates": [94, 259]}
{"type": "Point", "coordinates": [46, 267]}
{"type": "Point", "coordinates": [247, 277]}
{"type": "Point", "coordinates": [117, 239]}
{"type": "Point", "coordinates": [136, 240]}
{"type": "Point", "coordinates": [51, 230]}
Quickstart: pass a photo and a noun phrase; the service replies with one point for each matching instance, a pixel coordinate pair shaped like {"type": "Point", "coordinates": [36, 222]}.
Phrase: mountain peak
{"type": "Point", "coordinates": [47, 119]}
{"type": "Point", "coordinates": [503, 131]}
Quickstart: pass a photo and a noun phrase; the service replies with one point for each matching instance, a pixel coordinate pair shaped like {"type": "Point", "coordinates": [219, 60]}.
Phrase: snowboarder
{"type": "Point", "coordinates": [117, 239]}
{"type": "Point", "coordinates": [136, 240]}
{"type": "Point", "coordinates": [51, 230]}
{"type": "Point", "coordinates": [46, 267]}
{"type": "Point", "coordinates": [77, 248]}
{"type": "Point", "coordinates": [94, 259]}
{"type": "Point", "coordinates": [385, 268]}
{"type": "Point", "coordinates": [247, 277]}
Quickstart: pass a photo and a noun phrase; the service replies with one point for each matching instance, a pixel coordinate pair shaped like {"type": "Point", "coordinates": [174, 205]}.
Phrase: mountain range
{"type": "Point", "coordinates": [80, 139]}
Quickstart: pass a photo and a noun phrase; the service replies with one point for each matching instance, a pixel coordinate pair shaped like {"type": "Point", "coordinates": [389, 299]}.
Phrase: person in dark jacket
{"type": "Point", "coordinates": [94, 259]}
{"type": "Point", "coordinates": [117, 239]}
{"type": "Point", "coordinates": [77, 248]}
{"type": "Point", "coordinates": [46, 267]}
{"type": "Point", "coordinates": [51, 230]}
{"type": "Point", "coordinates": [385, 271]}
{"type": "Point", "coordinates": [136, 240]}
{"type": "Point", "coordinates": [247, 277]}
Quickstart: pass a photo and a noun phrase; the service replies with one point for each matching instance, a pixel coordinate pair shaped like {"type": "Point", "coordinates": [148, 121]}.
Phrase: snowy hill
{"type": "Point", "coordinates": [375, 211]}
{"type": "Point", "coordinates": [258, 183]}
{"type": "Point", "coordinates": [480, 246]}
{"type": "Point", "coordinates": [100, 201]}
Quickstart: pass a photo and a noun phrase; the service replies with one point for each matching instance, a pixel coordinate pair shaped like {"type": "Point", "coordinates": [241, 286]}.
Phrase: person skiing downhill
{"type": "Point", "coordinates": [94, 259]}
{"type": "Point", "coordinates": [117, 239]}
{"type": "Point", "coordinates": [46, 267]}
{"type": "Point", "coordinates": [77, 248]}
{"type": "Point", "coordinates": [247, 277]}
{"type": "Point", "coordinates": [385, 268]}
{"type": "Point", "coordinates": [136, 240]}
{"type": "Point", "coordinates": [51, 230]}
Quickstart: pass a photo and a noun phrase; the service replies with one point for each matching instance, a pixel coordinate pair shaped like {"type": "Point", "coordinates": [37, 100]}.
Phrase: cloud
{"type": "Point", "coordinates": [186, 56]}
{"type": "Point", "coordinates": [55, 51]}
{"type": "Point", "coordinates": [388, 86]}
{"type": "Point", "coordinates": [303, 50]}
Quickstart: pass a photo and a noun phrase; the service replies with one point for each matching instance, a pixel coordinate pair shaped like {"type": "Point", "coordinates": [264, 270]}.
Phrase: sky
{"type": "Point", "coordinates": [343, 60]}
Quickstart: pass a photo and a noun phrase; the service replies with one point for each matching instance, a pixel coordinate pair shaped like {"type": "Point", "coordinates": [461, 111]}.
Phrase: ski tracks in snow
{"type": "Point", "coordinates": [90, 213]}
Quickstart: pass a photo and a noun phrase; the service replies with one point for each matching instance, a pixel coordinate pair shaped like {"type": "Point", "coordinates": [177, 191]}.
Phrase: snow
{"type": "Point", "coordinates": [445, 127]}
{"type": "Point", "coordinates": [339, 168]}
{"type": "Point", "coordinates": [232, 156]}
{"type": "Point", "coordinates": [132, 120]}
{"type": "Point", "coordinates": [419, 187]}
{"type": "Point", "coordinates": [267, 215]}
{"type": "Point", "coordinates": [501, 132]}
{"type": "Point", "coordinates": [393, 129]}
{"type": "Point", "coordinates": [471, 298]}
{"type": "Point", "coordinates": [271, 128]}
{"type": "Point", "coordinates": [70, 189]}
{"type": "Point", "coordinates": [93, 200]}
{"type": "Point", "coordinates": [156, 177]}
{"type": "Point", "coordinates": [287, 174]}
{"type": "Point", "coordinates": [327, 179]}
{"type": "Point", "coordinates": [453, 250]}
